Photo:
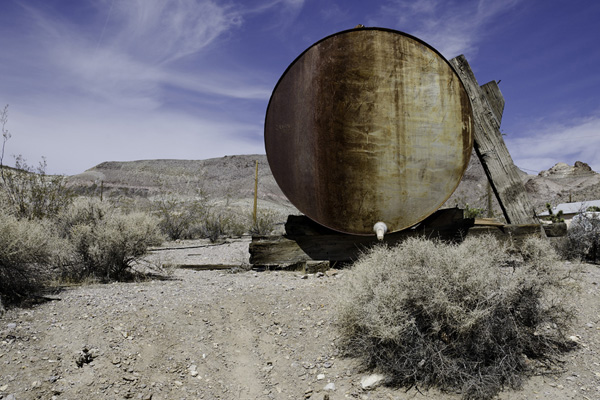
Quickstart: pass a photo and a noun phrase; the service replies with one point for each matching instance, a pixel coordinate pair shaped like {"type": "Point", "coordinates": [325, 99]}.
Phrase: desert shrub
{"type": "Point", "coordinates": [180, 218]}
{"type": "Point", "coordinates": [83, 211]}
{"type": "Point", "coordinates": [105, 241]}
{"type": "Point", "coordinates": [583, 238]}
{"type": "Point", "coordinates": [223, 223]}
{"type": "Point", "coordinates": [458, 317]}
{"type": "Point", "coordinates": [473, 212]}
{"type": "Point", "coordinates": [29, 193]}
{"type": "Point", "coordinates": [265, 222]}
{"type": "Point", "coordinates": [26, 255]}
{"type": "Point", "coordinates": [558, 217]}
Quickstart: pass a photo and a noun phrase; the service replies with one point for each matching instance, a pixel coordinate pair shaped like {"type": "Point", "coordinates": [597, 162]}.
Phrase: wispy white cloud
{"type": "Point", "coordinates": [284, 12]}
{"type": "Point", "coordinates": [452, 27]}
{"type": "Point", "coordinates": [548, 144]}
{"type": "Point", "coordinates": [158, 31]}
{"type": "Point", "coordinates": [134, 80]}
{"type": "Point", "coordinates": [138, 48]}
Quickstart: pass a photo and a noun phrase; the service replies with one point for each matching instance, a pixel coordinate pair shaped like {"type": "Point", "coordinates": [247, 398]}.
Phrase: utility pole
{"type": "Point", "coordinates": [255, 193]}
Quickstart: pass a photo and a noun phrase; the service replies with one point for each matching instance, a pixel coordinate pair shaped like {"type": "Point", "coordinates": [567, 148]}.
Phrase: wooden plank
{"type": "Point", "coordinates": [488, 222]}
{"type": "Point", "coordinates": [203, 267]}
{"type": "Point", "coordinates": [492, 151]}
{"type": "Point", "coordinates": [514, 234]}
{"type": "Point", "coordinates": [556, 229]}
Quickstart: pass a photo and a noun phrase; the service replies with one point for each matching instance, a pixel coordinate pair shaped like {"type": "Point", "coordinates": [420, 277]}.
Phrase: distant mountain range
{"type": "Point", "coordinates": [230, 180]}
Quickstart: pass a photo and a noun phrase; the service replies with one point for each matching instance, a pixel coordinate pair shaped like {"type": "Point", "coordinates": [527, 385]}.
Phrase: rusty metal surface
{"type": "Point", "coordinates": [369, 125]}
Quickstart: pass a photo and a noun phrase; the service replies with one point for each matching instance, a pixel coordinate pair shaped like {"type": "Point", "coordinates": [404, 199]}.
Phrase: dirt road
{"type": "Point", "coordinates": [222, 335]}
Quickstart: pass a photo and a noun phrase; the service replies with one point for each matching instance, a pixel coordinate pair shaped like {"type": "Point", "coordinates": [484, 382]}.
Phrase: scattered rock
{"type": "Point", "coordinates": [85, 357]}
{"type": "Point", "coordinates": [575, 339]}
{"type": "Point", "coordinates": [329, 387]}
{"type": "Point", "coordinates": [371, 381]}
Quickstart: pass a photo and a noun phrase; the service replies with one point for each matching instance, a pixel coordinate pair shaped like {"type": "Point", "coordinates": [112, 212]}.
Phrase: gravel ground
{"type": "Point", "coordinates": [223, 335]}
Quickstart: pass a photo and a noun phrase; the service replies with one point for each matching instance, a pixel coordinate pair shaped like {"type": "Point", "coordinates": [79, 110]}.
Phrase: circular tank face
{"type": "Point", "coordinates": [369, 125]}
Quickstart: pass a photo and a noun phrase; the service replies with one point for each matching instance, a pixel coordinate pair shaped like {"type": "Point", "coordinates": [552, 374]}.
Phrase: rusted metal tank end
{"type": "Point", "coordinates": [369, 125]}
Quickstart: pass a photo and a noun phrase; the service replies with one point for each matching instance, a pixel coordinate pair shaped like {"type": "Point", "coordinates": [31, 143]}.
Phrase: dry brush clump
{"type": "Point", "coordinates": [583, 238]}
{"type": "Point", "coordinates": [23, 246]}
{"type": "Point", "coordinates": [466, 317]}
{"type": "Point", "coordinates": [105, 241]}
{"type": "Point", "coordinates": [30, 250]}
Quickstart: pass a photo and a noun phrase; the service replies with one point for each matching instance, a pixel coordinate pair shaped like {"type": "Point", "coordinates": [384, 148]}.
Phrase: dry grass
{"type": "Point", "coordinates": [462, 317]}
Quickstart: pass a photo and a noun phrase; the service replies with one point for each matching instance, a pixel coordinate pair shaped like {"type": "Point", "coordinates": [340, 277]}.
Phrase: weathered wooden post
{"type": "Point", "coordinates": [502, 173]}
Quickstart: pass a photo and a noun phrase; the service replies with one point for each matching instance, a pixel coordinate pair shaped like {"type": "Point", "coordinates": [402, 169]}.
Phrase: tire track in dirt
{"type": "Point", "coordinates": [236, 338]}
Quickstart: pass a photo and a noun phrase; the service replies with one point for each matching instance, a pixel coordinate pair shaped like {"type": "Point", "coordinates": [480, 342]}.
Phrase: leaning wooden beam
{"type": "Point", "coordinates": [495, 99]}
{"type": "Point", "coordinates": [491, 150]}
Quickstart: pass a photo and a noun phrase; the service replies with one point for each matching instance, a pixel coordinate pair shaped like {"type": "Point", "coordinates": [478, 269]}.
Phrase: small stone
{"type": "Point", "coordinates": [320, 377]}
{"type": "Point", "coordinates": [327, 364]}
{"type": "Point", "coordinates": [304, 276]}
{"type": "Point", "coordinates": [329, 387]}
{"type": "Point", "coordinates": [575, 339]}
{"type": "Point", "coordinates": [3, 388]}
{"type": "Point", "coordinates": [371, 381]}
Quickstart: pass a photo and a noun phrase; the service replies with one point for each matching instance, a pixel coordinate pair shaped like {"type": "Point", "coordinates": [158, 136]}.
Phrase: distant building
{"type": "Point", "coordinates": [571, 209]}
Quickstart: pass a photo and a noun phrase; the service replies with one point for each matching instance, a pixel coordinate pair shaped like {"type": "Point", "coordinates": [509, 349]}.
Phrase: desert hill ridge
{"type": "Point", "coordinates": [231, 179]}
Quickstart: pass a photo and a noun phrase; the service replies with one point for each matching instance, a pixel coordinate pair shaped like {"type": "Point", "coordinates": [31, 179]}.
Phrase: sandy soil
{"type": "Point", "coordinates": [223, 335]}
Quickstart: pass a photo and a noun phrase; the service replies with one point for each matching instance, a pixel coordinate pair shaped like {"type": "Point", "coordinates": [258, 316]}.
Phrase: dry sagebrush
{"type": "Point", "coordinates": [105, 241]}
{"type": "Point", "coordinates": [27, 248]}
{"type": "Point", "coordinates": [458, 317]}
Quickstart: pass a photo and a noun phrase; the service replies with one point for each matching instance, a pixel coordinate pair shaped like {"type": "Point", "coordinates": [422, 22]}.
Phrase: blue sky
{"type": "Point", "coordinates": [116, 80]}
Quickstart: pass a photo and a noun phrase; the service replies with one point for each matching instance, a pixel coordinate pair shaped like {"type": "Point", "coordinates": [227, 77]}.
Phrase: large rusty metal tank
{"type": "Point", "coordinates": [369, 125]}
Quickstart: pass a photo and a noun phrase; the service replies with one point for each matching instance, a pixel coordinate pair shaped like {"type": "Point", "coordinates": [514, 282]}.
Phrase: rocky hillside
{"type": "Point", "coordinates": [231, 179]}
{"type": "Point", "coordinates": [227, 179]}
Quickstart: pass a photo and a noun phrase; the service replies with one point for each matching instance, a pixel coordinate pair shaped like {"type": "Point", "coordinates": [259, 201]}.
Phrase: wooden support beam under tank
{"type": "Point", "coordinates": [502, 173]}
{"type": "Point", "coordinates": [306, 241]}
